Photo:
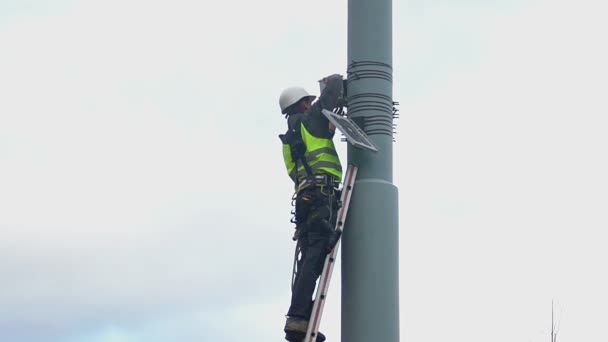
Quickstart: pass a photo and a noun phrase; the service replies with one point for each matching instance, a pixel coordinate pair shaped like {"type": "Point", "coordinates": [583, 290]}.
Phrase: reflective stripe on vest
{"type": "Point", "coordinates": [320, 155]}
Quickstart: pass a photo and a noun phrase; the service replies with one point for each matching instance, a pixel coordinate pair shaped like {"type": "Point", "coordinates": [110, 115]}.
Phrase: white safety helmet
{"type": "Point", "coordinates": [291, 96]}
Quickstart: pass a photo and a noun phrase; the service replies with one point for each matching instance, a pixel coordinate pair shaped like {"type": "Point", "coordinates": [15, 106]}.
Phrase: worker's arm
{"type": "Point", "coordinates": [316, 122]}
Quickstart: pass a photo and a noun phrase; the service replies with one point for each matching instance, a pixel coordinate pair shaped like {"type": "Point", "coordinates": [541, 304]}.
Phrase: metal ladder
{"type": "Point", "coordinates": [328, 267]}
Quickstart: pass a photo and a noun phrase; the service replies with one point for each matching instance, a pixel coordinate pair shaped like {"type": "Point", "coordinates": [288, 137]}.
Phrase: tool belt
{"type": "Point", "coordinates": [322, 180]}
{"type": "Point", "coordinates": [316, 200]}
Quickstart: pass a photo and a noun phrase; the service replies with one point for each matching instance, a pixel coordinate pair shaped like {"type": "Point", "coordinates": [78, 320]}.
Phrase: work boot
{"type": "Point", "coordinates": [296, 336]}
{"type": "Point", "coordinates": [295, 330]}
{"type": "Point", "coordinates": [294, 324]}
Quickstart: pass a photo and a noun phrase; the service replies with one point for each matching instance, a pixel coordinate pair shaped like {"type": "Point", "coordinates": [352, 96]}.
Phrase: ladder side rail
{"type": "Point", "coordinates": [319, 303]}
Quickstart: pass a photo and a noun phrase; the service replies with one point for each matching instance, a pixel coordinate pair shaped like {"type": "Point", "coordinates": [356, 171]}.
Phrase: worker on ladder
{"type": "Point", "coordinates": [313, 164]}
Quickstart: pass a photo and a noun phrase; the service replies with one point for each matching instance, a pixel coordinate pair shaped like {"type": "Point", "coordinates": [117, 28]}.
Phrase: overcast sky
{"type": "Point", "coordinates": [143, 196]}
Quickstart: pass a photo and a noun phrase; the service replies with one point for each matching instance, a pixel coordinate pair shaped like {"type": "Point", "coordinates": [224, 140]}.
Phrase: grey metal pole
{"type": "Point", "coordinates": [370, 250]}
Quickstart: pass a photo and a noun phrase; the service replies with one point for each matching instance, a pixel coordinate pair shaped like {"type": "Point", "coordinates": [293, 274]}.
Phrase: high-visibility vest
{"type": "Point", "coordinates": [320, 155]}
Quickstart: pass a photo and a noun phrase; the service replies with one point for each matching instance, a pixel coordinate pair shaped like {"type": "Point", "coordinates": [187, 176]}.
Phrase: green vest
{"type": "Point", "coordinates": [320, 154]}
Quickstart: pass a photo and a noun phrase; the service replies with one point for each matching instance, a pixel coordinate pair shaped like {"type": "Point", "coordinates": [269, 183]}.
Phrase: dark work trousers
{"type": "Point", "coordinates": [315, 224]}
